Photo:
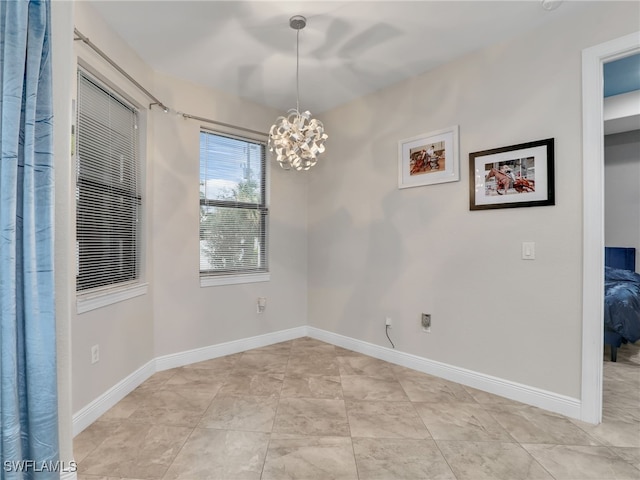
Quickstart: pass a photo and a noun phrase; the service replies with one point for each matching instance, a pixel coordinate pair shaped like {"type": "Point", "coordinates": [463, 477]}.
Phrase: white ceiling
{"type": "Point", "coordinates": [347, 50]}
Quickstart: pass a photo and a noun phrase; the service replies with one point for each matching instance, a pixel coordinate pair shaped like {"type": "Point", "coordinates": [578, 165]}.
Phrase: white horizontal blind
{"type": "Point", "coordinates": [233, 210]}
{"type": "Point", "coordinates": [108, 196]}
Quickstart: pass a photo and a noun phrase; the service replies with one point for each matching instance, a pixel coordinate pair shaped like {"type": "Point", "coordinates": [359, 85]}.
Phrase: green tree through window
{"type": "Point", "coordinates": [233, 212]}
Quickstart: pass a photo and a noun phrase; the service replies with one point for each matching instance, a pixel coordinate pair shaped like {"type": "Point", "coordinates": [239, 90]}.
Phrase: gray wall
{"type": "Point", "coordinates": [376, 251]}
{"type": "Point", "coordinates": [622, 191]}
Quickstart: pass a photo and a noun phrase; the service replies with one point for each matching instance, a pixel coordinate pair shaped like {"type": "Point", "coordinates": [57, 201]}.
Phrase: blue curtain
{"type": "Point", "coordinates": [28, 387]}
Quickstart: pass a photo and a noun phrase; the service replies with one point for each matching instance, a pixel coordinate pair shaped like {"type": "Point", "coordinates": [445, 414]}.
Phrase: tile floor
{"type": "Point", "coordinates": [307, 410]}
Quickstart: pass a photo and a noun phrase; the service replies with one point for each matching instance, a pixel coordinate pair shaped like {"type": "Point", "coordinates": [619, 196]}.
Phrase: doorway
{"type": "Point", "coordinates": [593, 60]}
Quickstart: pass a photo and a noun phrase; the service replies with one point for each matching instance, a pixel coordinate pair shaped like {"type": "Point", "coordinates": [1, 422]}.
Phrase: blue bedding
{"type": "Point", "coordinates": [622, 303]}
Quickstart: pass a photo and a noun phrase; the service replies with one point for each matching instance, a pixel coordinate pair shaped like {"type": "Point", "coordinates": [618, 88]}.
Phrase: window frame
{"type": "Point", "coordinates": [233, 277]}
{"type": "Point", "coordinates": [100, 296]}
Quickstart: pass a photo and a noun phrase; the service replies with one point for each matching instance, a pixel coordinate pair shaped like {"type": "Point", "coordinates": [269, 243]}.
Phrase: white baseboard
{"type": "Point", "coordinates": [554, 402]}
{"type": "Point", "coordinates": [91, 412]}
{"type": "Point", "coordinates": [68, 476]}
{"type": "Point", "coordinates": [571, 407]}
{"type": "Point", "coordinates": [181, 359]}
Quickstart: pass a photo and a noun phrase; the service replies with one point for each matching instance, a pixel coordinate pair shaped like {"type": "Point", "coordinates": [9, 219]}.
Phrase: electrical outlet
{"type": "Point", "coordinates": [95, 354]}
{"type": "Point", "coordinates": [387, 321]}
{"type": "Point", "coordinates": [426, 322]}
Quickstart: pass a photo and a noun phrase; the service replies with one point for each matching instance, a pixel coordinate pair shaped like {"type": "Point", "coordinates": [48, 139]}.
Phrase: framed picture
{"type": "Point", "coordinates": [515, 176]}
{"type": "Point", "coordinates": [429, 158]}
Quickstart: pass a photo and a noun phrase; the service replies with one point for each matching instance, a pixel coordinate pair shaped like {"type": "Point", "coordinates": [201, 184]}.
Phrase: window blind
{"type": "Point", "coordinates": [233, 210]}
{"type": "Point", "coordinates": [108, 198]}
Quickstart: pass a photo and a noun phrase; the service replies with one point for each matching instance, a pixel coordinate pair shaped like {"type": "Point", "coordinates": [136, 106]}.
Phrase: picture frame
{"type": "Point", "coordinates": [429, 158]}
{"type": "Point", "coordinates": [514, 176]}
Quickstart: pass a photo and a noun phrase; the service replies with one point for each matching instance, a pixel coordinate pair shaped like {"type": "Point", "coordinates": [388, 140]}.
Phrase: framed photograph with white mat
{"type": "Point", "coordinates": [429, 158]}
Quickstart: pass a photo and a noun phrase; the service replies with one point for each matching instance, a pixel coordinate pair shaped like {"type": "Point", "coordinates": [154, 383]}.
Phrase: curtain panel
{"type": "Point", "coordinates": [28, 387]}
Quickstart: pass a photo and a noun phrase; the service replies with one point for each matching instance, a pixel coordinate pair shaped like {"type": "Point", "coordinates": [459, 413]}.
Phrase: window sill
{"type": "Point", "coordinates": [213, 281]}
{"type": "Point", "coordinates": [88, 302]}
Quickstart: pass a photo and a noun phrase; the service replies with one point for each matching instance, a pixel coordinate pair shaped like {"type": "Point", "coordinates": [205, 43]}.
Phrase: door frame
{"type": "Point", "coordinates": [593, 59]}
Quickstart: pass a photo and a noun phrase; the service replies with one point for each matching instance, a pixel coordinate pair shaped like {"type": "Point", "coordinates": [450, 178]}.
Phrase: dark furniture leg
{"type": "Point", "coordinates": [614, 353]}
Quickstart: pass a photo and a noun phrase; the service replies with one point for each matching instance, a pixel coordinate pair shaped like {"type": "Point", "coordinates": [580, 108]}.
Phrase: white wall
{"type": "Point", "coordinates": [187, 316]}
{"type": "Point", "coordinates": [377, 251]}
{"type": "Point", "coordinates": [124, 331]}
{"type": "Point", "coordinates": [622, 191]}
{"type": "Point", "coordinates": [176, 314]}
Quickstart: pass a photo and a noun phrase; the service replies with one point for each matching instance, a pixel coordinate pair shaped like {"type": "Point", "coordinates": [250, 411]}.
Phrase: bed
{"type": "Point", "coordinates": [621, 298]}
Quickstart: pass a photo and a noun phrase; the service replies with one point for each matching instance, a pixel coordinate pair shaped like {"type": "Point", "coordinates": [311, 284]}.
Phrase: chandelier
{"type": "Point", "coordinates": [297, 139]}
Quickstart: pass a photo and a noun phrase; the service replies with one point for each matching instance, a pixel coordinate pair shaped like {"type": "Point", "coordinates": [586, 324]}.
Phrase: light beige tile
{"type": "Point", "coordinates": [572, 462]}
{"type": "Point", "coordinates": [313, 363]}
{"type": "Point", "coordinates": [218, 365]}
{"type": "Point", "coordinates": [630, 455]}
{"type": "Point", "coordinates": [623, 394]}
{"type": "Point", "coordinates": [97, 477]}
{"type": "Point", "coordinates": [204, 381]}
{"type": "Point", "coordinates": [220, 454]}
{"type": "Point", "coordinates": [311, 416]}
{"type": "Point", "coordinates": [420, 387]}
{"type": "Point", "coordinates": [343, 352]}
{"type": "Point", "coordinates": [129, 404]}
{"type": "Point", "coordinates": [246, 413]}
{"type": "Point", "coordinates": [620, 427]}
{"type": "Point", "coordinates": [312, 386]}
{"type": "Point", "coordinates": [533, 425]}
{"type": "Point", "coordinates": [400, 459]}
{"type": "Point", "coordinates": [157, 380]}
{"type": "Point", "coordinates": [256, 385]}
{"type": "Point", "coordinates": [491, 461]}
{"type": "Point", "coordinates": [102, 477]}
{"type": "Point", "coordinates": [310, 458]}
{"type": "Point", "coordinates": [313, 346]}
{"type": "Point", "coordinates": [177, 406]}
{"type": "Point", "coordinates": [136, 451]}
{"type": "Point", "coordinates": [91, 437]}
{"type": "Point", "coordinates": [261, 363]}
{"type": "Point", "coordinates": [363, 365]}
{"type": "Point", "coordinates": [461, 421]}
{"type": "Point", "coordinates": [385, 420]}
{"type": "Point", "coordinates": [361, 387]}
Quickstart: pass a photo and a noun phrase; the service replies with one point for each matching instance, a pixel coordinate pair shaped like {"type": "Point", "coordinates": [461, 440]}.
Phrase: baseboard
{"type": "Point", "coordinates": [570, 407]}
{"type": "Point", "coordinates": [91, 412]}
{"type": "Point", "coordinates": [68, 476]}
{"type": "Point", "coordinates": [181, 359]}
{"type": "Point", "coordinates": [554, 402]}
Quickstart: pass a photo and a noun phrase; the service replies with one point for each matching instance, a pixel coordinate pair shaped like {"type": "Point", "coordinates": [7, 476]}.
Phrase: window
{"type": "Point", "coordinates": [108, 199]}
{"type": "Point", "coordinates": [233, 209]}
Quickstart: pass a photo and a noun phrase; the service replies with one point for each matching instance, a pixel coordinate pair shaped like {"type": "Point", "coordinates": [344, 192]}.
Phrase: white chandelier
{"type": "Point", "coordinates": [297, 139]}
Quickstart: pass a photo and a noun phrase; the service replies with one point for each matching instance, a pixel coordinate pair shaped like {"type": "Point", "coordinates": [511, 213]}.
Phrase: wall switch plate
{"type": "Point", "coordinates": [528, 250]}
{"type": "Point", "coordinates": [95, 354]}
{"type": "Point", "coordinates": [261, 304]}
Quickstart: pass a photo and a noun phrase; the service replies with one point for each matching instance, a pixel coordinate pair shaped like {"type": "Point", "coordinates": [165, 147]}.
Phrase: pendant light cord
{"type": "Point", "coordinates": [298, 71]}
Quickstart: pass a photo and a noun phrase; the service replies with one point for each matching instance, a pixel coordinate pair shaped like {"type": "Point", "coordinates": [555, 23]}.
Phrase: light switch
{"type": "Point", "coordinates": [528, 250]}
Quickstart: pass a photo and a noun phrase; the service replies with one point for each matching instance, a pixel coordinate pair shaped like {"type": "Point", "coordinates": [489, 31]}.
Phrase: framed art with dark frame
{"type": "Point", "coordinates": [429, 158]}
{"type": "Point", "coordinates": [514, 176]}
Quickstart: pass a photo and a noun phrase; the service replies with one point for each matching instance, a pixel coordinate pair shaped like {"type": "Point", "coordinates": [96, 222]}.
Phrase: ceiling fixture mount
{"type": "Point", "coordinates": [297, 139]}
{"type": "Point", "coordinates": [551, 4]}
